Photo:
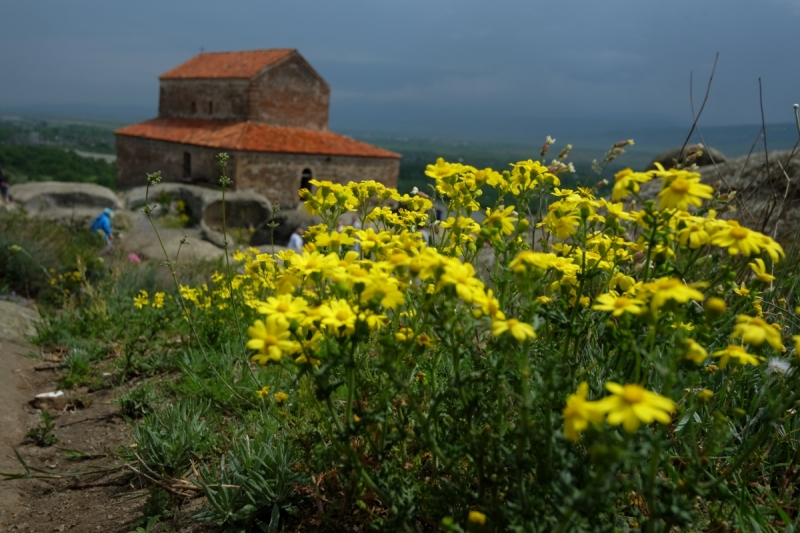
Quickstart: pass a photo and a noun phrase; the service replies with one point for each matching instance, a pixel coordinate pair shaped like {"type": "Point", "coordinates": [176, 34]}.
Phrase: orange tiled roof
{"type": "Point", "coordinates": [226, 64]}
{"type": "Point", "coordinates": [252, 137]}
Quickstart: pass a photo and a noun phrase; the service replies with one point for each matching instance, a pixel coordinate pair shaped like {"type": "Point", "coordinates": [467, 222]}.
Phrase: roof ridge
{"type": "Point", "coordinates": [245, 127]}
{"type": "Point", "coordinates": [242, 64]}
{"type": "Point", "coordinates": [248, 51]}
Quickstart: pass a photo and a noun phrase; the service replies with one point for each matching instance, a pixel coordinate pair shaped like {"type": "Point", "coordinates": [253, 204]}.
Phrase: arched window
{"type": "Point", "coordinates": [305, 179]}
{"type": "Point", "coordinates": [194, 108]}
{"type": "Point", "coordinates": [187, 164]}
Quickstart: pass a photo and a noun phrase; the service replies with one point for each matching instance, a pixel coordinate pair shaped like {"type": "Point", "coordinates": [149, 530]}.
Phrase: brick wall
{"type": "Point", "coordinates": [138, 157]}
{"type": "Point", "coordinates": [227, 98]}
{"type": "Point", "coordinates": [290, 94]}
{"type": "Point", "coordinates": [278, 176]}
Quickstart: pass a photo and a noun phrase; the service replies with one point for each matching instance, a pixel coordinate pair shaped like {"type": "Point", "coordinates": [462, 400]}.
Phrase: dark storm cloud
{"type": "Point", "coordinates": [402, 63]}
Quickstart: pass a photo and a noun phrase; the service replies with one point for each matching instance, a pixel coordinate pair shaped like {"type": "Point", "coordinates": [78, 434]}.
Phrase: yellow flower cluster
{"type": "Point", "coordinates": [353, 284]}
{"type": "Point", "coordinates": [142, 300]}
{"type": "Point", "coordinates": [628, 405]}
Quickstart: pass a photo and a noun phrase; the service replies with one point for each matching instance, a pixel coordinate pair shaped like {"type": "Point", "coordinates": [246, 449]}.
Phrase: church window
{"type": "Point", "coordinates": [305, 179]}
{"type": "Point", "coordinates": [187, 164]}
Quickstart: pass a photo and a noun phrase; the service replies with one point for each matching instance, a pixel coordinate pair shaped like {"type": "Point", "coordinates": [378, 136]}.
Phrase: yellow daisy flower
{"type": "Point", "coordinates": [519, 330]}
{"type": "Point", "coordinates": [738, 354]}
{"type": "Point", "coordinates": [760, 270]}
{"type": "Point", "coordinates": [630, 405]}
{"type": "Point", "coordinates": [617, 304]}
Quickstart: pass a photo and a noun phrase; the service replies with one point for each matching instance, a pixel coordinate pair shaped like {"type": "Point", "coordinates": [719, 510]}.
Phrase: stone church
{"type": "Point", "coordinates": [268, 109]}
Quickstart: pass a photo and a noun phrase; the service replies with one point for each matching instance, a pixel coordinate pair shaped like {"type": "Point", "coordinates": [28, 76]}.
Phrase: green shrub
{"type": "Point", "coordinates": [42, 163]}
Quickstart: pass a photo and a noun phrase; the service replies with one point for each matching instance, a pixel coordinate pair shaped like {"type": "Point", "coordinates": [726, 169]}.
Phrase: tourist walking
{"type": "Point", "coordinates": [102, 225]}
{"type": "Point", "coordinates": [296, 241]}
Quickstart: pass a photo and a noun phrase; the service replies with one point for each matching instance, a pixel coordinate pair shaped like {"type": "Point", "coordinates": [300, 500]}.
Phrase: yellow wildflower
{"type": "Point", "coordinates": [141, 299]}
{"type": "Point", "coordinates": [738, 354]}
{"type": "Point", "coordinates": [263, 392]}
{"type": "Point", "coordinates": [755, 331]}
{"type": "Point", "coordinates": [518, 330]}
{"type": "Point", "coordinates": [441, 169]}
{"type": "Point", "coordinates": [488, 304]}
{"type": "Point", "coordinates": [705, 395]}
{"type": "Point", "coordinates": [695, 352]}
{"type": "Point", "coordinates": [477, 517]}
{"type": "Point", "coordinates": [666, 289]}
{"type": "Point", "coordinates": [501, 220]}
{"type": "Point", "coordinates": [627, 181]}
{"type": "Point", "coordinates": [284, 305]}
{"type": "Point", "coordinates": [158, 300]}
{"type": "Point", "coordinates": [404, 334]}
{"type": "Point", "coordinates": [339, 317]}
{"type": "Point", "coordinates": [462, 277]}
{"type": "Point", "coordinates": [271, 339]}
{"type": "Point", "coordinates": [630, 405]}
{"type": "Point", "coordinates": [617, 304]}
{"type": "Point", "coordinates": [280, 397]}
{"type": "Point", "coordinates": [737, 239]}
{"type": "Point", "coordinates": [683, 190]}
{"type": "Point", "coordinates": [694, 236]}
{"type": "Point", "coordinates": [578, 412]}
{"type": "Point", "coordinates": [760, 270]}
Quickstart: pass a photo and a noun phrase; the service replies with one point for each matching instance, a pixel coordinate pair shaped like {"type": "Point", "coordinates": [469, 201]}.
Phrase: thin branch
{"type": "Point", "coordinates": [768, 214]}
{"type": "Point", "coordinates": [705, 99]}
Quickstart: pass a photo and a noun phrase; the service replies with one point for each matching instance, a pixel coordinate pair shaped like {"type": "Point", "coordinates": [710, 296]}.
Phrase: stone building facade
{"type": "Point", "coordinates": [268, 109]}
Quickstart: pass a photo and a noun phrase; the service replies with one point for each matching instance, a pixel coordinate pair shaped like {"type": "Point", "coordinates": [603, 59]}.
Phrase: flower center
{"type": "Point", "coordinates": [680, 185]}
{"type": "Point", "coordinates": [739, 233]}
{"type": "Point", "coordinates": [342, 315]}
{"type": "Point", "coordinates": [632, 394]}
{"type": "Point", "coordinates": [621, 302]}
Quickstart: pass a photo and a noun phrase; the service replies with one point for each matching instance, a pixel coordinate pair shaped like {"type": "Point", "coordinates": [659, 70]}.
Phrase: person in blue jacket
{"type": "Point", "coordinates": [102, 224]}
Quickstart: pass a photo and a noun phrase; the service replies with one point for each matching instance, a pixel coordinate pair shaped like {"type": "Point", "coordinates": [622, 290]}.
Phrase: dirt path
{"type": "Point", "coordinates": [97, 502]}
{"type": "Point", "coordinates": [16, 389]}
{"type": "Point", "coordinates": [104, 496]}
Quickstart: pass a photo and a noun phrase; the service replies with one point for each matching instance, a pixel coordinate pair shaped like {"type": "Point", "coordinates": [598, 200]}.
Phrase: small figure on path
{"type": "Point", "coordinates": [4, 187]}
{"type": "Point", "coordinates": [296, 241]}
{"type": "Point", "coordinates": [102, 224]}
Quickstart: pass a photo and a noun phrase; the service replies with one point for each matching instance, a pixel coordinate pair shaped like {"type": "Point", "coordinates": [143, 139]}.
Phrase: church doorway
{"type": "Point", "coordinates": [305, 179]}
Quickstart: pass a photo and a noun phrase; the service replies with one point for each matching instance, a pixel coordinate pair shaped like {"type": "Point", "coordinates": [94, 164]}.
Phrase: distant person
{"type": "Point", "coordinates": [296, 241]}
{"type": "Point", "coordinates": [4, 187]}
{"type": "Point", "coordinates": [102, 224]}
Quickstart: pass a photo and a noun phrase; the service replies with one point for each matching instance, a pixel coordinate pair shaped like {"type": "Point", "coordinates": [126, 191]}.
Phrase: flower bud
{"type": "Point", "coordinates": [714, 308]}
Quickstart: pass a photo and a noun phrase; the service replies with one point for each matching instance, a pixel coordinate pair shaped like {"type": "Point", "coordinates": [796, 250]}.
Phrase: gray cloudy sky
{"type": "Point", "coordinates": [414, 65]}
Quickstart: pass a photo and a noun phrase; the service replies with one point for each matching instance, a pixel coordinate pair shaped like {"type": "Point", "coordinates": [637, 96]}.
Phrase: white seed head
{"type": "Point", "coordinates": [777, 366]}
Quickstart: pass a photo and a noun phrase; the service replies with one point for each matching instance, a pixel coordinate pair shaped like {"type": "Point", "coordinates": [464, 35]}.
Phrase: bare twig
{"type": "Point", "coordinates": [783, 202]}
{"type": "Point", "coordinates": [705, 99]}
{"type": "Point", "coordinates": [767, 214]}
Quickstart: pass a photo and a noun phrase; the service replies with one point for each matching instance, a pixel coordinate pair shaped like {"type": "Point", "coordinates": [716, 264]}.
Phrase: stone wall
{"type": "Point", "coordinates": [278, 176]}
{"type": "Point", "coordinates": [224, 99]}
{"type": "Point", "coordinates": [275, 176]}
{"type": "Point", "coordinates": [290, 94]}
{"type": "Point", "coordinates": [138, 157]}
